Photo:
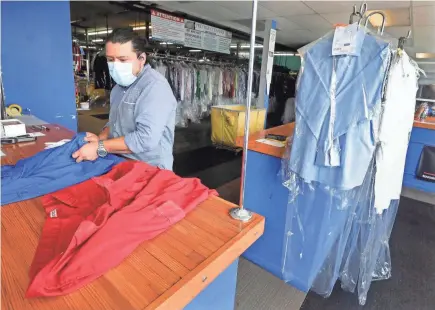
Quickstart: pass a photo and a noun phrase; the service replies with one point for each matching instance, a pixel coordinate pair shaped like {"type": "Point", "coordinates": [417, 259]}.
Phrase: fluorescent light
{"type": "Point", "coordinates": [139, 6]}
{"type": "Point", "coordinates": [99, 32]}
{"type": "Point", "coordinates": [284, 54]}
{"type": "Point", "coordinates": [247, 46]}
{"type": "Point", "coordinates": [201, 60]}
{"type": "Point", "coordinates": [98, 40]}
{"type": "Point", "coordinates": [89, 47]}
{"type": "Point", "coordinates": [167, 43]}
{"type": "Point", "coordinates": [424, 55]}
{"type": "Point", "coordinates": [141, 28]}
{"type": "Point", "coordinates": [195, 51]}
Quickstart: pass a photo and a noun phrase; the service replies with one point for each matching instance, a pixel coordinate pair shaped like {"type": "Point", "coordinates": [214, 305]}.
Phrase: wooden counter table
{"type": "Point", "coordinates": [193, 265]}
{"type": "Point", "coordinates": [428, 123]}
{"type": "Point", "coordinates": [284, 130]}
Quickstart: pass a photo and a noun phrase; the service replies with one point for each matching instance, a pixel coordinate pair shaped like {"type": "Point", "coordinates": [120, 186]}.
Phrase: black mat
{"type": "Point", "coordinates": [101, 116]}
{"type": "Point", "coordinates": [412, 285]}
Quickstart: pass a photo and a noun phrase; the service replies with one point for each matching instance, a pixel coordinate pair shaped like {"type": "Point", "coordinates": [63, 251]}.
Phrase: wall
{"type": "Point", "coordinates": [36, 59]}
{"type": "Point", "coordinates": [291, 62]}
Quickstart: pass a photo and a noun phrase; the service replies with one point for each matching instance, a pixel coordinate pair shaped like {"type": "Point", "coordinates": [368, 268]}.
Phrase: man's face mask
{"type": "Point", "coordinates": [122, 73]}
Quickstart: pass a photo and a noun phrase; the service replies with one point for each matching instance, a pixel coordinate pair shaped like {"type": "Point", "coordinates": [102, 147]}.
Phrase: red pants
{"type": "Point", "coordinates": [93, 226]}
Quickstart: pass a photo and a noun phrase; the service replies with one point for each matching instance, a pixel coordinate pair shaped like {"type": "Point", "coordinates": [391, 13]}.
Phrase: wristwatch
{"type": "Point", "coordinates": [101, 150]}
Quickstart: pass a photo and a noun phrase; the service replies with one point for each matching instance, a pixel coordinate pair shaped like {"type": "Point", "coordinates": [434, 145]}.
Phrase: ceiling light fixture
{"type": "Point", "coordinates": [141, 28]}
{"type": "Point", "coordinates": [247, 46]}
{"type": "Point", "coordinates": [167, 43]}
{"type": "Point", "coordinates": [100, 32]}
{"type": "Point", "coordinates": [98, 40]}
{"type": "Point", "coordinates": [195, 51]}
{"type": "Point", "coordinates": [284, 54]}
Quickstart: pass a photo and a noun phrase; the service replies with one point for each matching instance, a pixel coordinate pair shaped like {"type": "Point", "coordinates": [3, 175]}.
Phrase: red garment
{"type": "Point", "coordinates": [93, 226]}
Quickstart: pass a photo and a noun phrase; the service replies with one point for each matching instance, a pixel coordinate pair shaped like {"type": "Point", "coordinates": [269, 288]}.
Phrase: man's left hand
{"type": "Point", "coordinates": [86, 152]}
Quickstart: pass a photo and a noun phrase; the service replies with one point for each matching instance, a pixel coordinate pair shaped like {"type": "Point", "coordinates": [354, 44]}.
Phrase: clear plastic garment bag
{"type": "Point", "coordinates": [341, 210]}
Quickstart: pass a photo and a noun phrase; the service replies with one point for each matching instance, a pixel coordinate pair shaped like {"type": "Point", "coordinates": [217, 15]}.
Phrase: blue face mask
{"type": "Point", "coordinates": [122, 73]}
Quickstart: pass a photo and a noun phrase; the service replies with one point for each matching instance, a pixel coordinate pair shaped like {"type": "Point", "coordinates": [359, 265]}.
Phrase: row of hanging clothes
{"type": "Point", "coordinates": [281, 96]}
{"type": "Point", "coordinates": [198, 86]}
{"type": "Point", "coordinates": [345, 163]}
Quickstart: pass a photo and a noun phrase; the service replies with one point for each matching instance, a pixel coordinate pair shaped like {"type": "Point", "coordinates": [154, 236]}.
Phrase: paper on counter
{"type": "Point", "coordinates": [50, 145]}
{"type": "Point", "coordinates": [272, 142]}
{"type": "Point", "coordinates": [36, 134]}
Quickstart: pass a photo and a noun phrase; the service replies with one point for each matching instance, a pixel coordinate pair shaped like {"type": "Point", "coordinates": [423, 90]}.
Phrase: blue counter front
{"type": "Point", "coordinates": [422, 134]}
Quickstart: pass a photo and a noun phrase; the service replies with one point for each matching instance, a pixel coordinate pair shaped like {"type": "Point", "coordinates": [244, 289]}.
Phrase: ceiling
{"type": "Point", "coordinates": [298, 22]}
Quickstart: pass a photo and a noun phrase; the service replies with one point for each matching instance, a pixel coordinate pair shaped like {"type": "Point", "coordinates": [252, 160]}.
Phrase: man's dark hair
{"type": "Point", "coordinates": [124, 35]}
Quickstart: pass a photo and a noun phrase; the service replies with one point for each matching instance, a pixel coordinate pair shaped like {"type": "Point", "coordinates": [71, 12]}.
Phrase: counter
{"type": "Point", "coordinates": [422, 134]}
{"type": "Point", "coordinates": [193, 265]}
{"type": "Point", "coordinates": [265, 195]}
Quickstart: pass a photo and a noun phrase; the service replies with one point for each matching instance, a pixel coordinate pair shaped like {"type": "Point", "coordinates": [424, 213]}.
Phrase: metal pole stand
{"type": "Point", "coordinates": [241, 213]}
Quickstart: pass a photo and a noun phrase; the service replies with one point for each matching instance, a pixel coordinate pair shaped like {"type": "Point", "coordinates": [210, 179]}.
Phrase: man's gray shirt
{"type": "Point", "coordinates": [144, 113]}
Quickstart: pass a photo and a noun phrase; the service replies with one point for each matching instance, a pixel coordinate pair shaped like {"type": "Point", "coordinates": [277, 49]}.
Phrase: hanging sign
{"type": "Point", "coordinates": [270, 54]}
{"type": "Point", "coordinates": [206, 37]}
{"type": "Point", "coordinates": [166, 27]}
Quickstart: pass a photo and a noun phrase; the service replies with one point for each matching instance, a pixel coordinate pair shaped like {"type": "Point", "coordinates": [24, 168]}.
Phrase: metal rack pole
{"type": "Point", "coordinates": [240, 213]}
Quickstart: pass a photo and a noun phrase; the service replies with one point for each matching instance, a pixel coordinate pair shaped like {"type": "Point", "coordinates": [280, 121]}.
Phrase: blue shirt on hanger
{"type": "Point", "coordinates": [337, 105]}
{"type": "Point", "coordinates": [49, 171]}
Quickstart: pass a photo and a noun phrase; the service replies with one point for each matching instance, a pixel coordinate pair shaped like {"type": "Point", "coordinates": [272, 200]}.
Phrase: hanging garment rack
{"type": "Point", "coordinates": [197, 60]}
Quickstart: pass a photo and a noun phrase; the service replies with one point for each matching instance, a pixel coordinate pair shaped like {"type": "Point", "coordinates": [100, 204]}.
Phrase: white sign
{"type": "Point", "coordinates": [166, 27]}
{"type": "Point", "coordinates": [344, 42]}
{"type": "Point", "coordinates": [272, 39]}
{"type": "Point", "coordinates": [207, 37]}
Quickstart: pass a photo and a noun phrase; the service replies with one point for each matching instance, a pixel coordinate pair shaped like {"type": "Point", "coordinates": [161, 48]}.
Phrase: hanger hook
{"type": "Point", "coordinates": [383, 20]}
{"type": "Point", "coordinates": [363, 8]}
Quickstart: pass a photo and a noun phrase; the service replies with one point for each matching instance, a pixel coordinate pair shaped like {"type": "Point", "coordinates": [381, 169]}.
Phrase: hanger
{"type": "Point", "coordinates": [402, 40]}
{"type": "Point", "coordinates": [383, 21]}
{"type": "Point", "coordinates": [360, 13]}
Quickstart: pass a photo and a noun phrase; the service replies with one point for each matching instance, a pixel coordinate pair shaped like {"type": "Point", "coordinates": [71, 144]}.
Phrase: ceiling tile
{"type": "Point", "coordinates": [385, 5]}
{"type": "Point", "coordinates": [244, 9]}
{"type": "Point", "coordinates": [332, 6]}
{"type": "Point", "coordinates": [398, 31]}
{"type": "Point", "coordinates": [346, 6]}
{"type": "Point", "coordinates": [287, 8]}
{"type": "Point", "coordinates": [337, 18]}
{"type": "Point", "coordinates": [314, 21]}
{"type": "Point", "coordinates": [424, 15]}
{"type": "Point", "coordinates": [423, 3]}
{"type": "Point", "coordinates": [424, 38]}
{"type": "Point", "coordinates": [283, 24]}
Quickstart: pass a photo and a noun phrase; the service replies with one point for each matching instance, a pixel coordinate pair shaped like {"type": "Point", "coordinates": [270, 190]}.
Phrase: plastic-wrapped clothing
{"type": "Point", "coordinates": [337, 104]}
{"type": "Point", "coordinates": [395, 128]}
{"type": "Point", "coordinates": [92, 227]}
{"type": "Point", "coordinates": [289, 111]}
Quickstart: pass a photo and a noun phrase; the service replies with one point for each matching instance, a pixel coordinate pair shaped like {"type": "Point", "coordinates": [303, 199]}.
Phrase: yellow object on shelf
{"type": "Point", "coordinates": [14, 110]}
{"type": "Point", "coordinates": [228, 123]}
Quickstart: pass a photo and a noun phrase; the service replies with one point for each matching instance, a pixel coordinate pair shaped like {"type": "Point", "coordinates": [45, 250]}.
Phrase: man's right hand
{"type": "Point", "coordinates": [91, 137]}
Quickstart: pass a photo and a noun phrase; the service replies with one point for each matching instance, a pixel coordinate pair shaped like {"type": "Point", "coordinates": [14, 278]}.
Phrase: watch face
{"type": "Point", "coordinates": [102, 153]}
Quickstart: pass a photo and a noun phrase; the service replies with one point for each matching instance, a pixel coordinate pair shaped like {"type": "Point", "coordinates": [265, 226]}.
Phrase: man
{"type": "Point", "coordinates": [142, 107]}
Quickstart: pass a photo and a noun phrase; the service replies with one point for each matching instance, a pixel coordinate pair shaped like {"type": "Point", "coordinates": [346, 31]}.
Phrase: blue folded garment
{"type": "Point", "coordinates": [51, 170]}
